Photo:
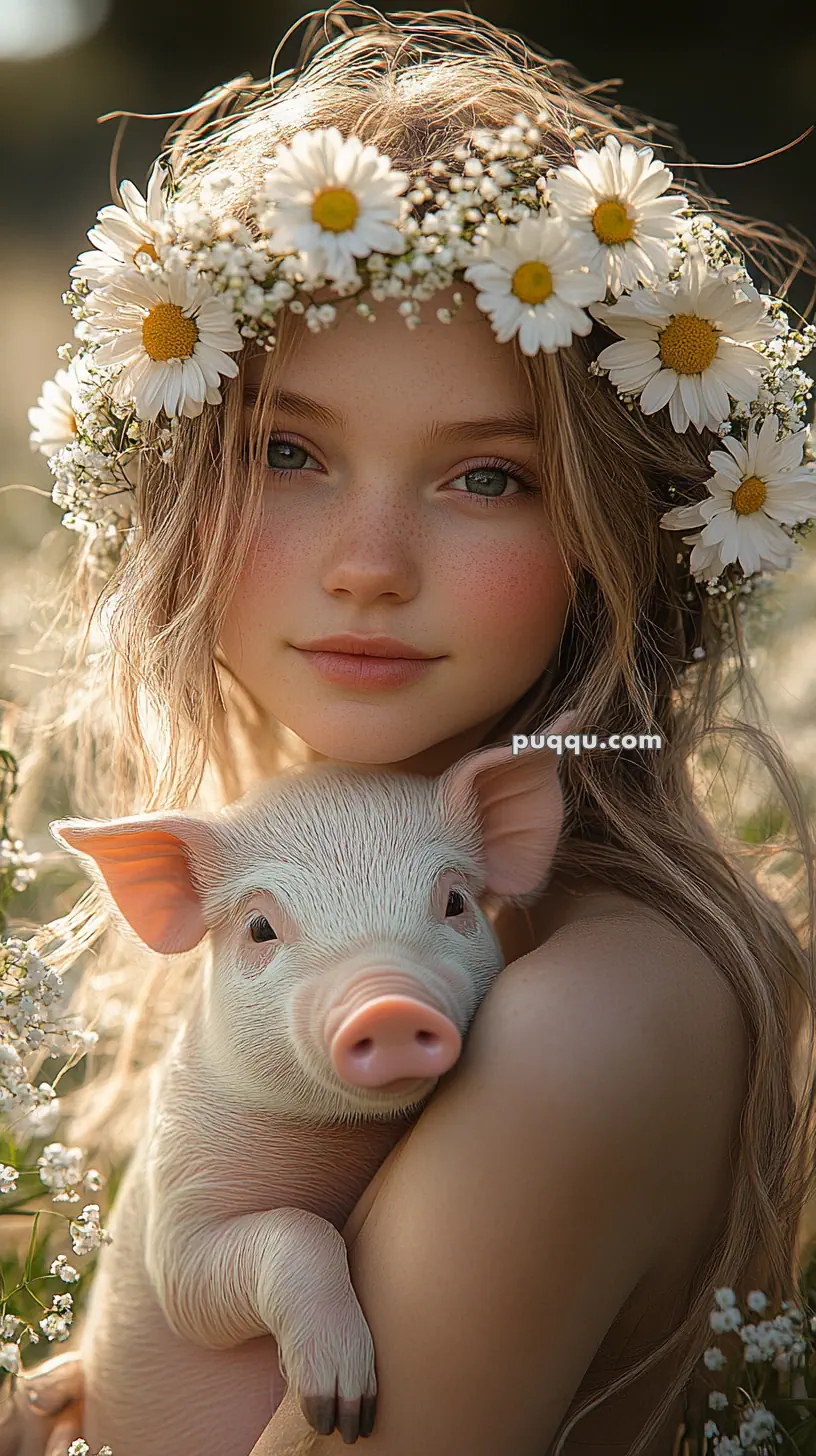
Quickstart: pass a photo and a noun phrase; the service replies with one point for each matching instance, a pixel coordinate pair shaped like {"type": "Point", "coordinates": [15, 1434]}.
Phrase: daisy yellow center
{"type": "Point", "coordinates": [146, 248]}
{"type": "Point", "coordinates": [688, 344]}
{"type": "Point", "coordinates": [335, 209]}
{"type": "Point", "coordinates": [750, 496]}
{"type": "Point", "coordinates": [532, 282]}
{"type": "Point", "coordinates": [612, 222]}
{"type": "Point", "coordinates": [167, 333]}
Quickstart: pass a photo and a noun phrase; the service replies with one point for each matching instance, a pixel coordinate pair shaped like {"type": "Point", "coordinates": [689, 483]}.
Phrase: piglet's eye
{"type": "Point", "coordinates": [261, 930]}
{"type": "Point", "coordinates": [456, 903]}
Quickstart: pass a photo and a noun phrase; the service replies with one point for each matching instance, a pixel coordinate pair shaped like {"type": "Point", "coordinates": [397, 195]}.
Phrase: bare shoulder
{"type": "Point", "coordinates": [636, 966]}
{"type": "Point", "coordinates": [625, 1002]}
{"type": "Point", "coordinates": [630, 962]}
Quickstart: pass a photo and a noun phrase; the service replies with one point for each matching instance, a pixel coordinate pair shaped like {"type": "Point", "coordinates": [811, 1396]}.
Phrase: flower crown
{"type": "Point", "coordinates": [172, 288]}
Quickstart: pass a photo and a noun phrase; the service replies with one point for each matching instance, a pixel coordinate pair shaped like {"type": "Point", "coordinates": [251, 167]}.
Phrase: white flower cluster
{"type": "Point", "coordinates": [57, 1323]}
{"type": "Point", "coordinates": [63, 1270]}
{"type": "Point", "coordinates": [13, 856]}
{"type": "Point", "coordinates": [778, 1342]}
{"type": "Point", "coordinates": [86, 1231]}
{"type": "Point", "coordinates": [173, 287]}
{"type": "Point", "coordinates": [28, 990]}
{"type": "Point", "coordinates": [759, 1425]}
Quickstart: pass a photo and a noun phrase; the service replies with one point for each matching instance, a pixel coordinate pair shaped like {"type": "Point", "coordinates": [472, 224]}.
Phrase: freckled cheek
{"type": "Point", "coordinates": [510, 591]}
{"type": "Point", "coordinates": [277, 563]}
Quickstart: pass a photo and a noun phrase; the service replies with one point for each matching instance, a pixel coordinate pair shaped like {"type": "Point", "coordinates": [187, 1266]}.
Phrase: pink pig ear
{"type": "Point", "coordinates": [521, 807]}
{"type": "Point", "coordinates": [144, 861]}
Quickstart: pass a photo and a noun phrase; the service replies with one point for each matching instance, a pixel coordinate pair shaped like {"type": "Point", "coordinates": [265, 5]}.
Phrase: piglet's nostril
{"type": "Point", "coordinates": [393, 1037]}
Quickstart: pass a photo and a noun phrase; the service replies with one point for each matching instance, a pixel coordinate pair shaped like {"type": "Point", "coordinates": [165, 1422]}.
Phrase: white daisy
{"type": "Point", "coordinates": [754, 486]}
{"type": "Point", "coordinates": [332, 200]}
{"type": "Point", "coordinates": [613, 198]}
{"type": "Point", "coordinates": [53, 418]}
{"type": "Point", "coordinates": [689, 344]}
{"type": "Point", "coordinates": [171, 336]}
{"type": "Point", "coordinates": [124, 232]}
{"type": "Point", "coordinates": [534, 282]}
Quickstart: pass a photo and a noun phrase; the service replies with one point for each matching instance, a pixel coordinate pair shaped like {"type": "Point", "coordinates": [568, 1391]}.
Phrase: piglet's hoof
{"type": "Point", "coordinates": [353, 1418]}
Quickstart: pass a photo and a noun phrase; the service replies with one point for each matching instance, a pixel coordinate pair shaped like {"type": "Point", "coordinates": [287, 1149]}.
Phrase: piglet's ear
{"type": "Point", "coordinates": [520, 806]}
{"type": "Point", "coordinates": [144, 862]}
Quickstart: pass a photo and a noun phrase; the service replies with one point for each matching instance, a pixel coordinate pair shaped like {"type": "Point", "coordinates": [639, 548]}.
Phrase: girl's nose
{"type": "Point", "coordinates": [373, 555]}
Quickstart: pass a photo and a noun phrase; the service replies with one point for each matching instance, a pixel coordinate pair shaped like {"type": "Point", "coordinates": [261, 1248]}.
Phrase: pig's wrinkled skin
{"type": "Point", "coordinates": [273, 1108]}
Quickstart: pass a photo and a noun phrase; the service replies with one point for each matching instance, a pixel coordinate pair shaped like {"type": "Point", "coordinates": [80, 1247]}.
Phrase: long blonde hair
{"type": "Point", "coordinates": [152, 718]}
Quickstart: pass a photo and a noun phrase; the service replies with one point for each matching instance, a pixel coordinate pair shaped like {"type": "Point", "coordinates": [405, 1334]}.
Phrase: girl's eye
{"type": "Point", "coordinates": [286, 455]}
{"type": "Point", "coordinates": [486, 483]}
{"type": "Point", "coordinates": [260, 929]}
{"type": "Point", "coordinates": [456, 903]}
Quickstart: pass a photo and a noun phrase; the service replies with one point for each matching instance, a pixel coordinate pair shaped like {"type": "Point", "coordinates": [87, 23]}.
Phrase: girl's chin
{"type": "Point", "coordinates": [374, 740]}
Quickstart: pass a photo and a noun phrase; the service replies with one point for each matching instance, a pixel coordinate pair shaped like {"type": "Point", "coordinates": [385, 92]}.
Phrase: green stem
{"type": "Point", "coordinates": [31, 1247]}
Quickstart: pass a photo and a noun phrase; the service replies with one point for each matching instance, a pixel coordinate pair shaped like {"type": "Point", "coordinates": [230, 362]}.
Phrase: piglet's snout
{"type": "Point", "coordinates": [391, 1038]}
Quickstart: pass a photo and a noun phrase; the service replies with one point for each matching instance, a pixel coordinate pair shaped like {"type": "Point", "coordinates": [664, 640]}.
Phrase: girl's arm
{"type": "Point", "coordinates": [541, 1184]}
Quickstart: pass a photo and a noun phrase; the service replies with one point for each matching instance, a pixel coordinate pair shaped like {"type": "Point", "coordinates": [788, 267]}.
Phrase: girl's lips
{"type": "Point", "coordinates": [352, 669]}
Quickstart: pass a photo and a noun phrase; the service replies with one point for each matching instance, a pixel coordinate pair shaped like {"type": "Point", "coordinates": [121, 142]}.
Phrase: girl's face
{"type": "Point", "coordinates": [401, 500]}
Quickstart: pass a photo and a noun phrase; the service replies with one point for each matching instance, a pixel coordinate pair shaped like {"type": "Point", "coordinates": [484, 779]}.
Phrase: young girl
{"type": "Point", "coordinates": [500, 487]}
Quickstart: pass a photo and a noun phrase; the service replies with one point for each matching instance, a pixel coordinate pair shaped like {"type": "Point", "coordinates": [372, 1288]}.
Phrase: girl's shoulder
{"type": "Point", "coordinates": [607, 963]}
{"type": "Point", "coordinates": [615, 950]}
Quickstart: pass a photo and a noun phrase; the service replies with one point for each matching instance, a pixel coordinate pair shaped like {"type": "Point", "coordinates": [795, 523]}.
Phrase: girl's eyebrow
{"type": "Point", "coordinates": [518, 423]}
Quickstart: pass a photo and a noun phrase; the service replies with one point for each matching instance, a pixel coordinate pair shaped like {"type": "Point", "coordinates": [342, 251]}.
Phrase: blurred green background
{"type": "Point", "coordinates": [732, 89]}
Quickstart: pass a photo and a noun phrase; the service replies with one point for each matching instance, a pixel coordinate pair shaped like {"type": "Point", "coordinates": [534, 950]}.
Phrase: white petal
{"type": "Point", "coordinates": [658, 391]}
{"type": "Point", "coordinates": [739, 453]}
{"type": "Point", "coordinates": [677, 412]}
{"type": "Point", "coordinates": [738, 382]}
{"type": "Point", "coordinates": [680, 518]}
{"type": "Point", "coordinates": [628, 352]}
{"type": "Point", "coordinates": [715, 396]}
{"type": "Point", "coordinates": [531, 335]}
{"type": "Point", "coordinates": [173, 391]}
{"type": "Point", "coordinates": [724, 465]}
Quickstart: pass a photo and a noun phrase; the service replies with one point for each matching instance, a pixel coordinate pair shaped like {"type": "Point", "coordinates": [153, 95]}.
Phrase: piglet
{"type": "Point", "coordinates": [346, 955]}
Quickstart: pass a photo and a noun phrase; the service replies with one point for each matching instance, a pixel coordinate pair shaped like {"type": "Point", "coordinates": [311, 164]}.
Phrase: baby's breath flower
{"type": "Point", "coordinates": [8, 1178]}
{"type": "Point", "coordinates": [65, 1271]}
{"type": "Point", "coordinates": [760, 1423]}
{"type": "Point", "coordinates": [86, 1231]}
{"type": "Point", "coordinates": [55, 1327]}
{"type": "Point", "coordinates": [60, 1167]}
{"type": "Point", "coordinates": [10, 1358]}
{"type": "Point", "coordinates": [725, 1298]}
{"type": "Point", "coordinates": [723, 1320]}
{"type": "Point", "coordinates": [13, 856]}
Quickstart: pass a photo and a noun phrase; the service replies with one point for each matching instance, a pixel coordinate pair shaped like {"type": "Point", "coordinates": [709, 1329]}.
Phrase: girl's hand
{"type": "Point", "coordinates": [48, 1427]}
